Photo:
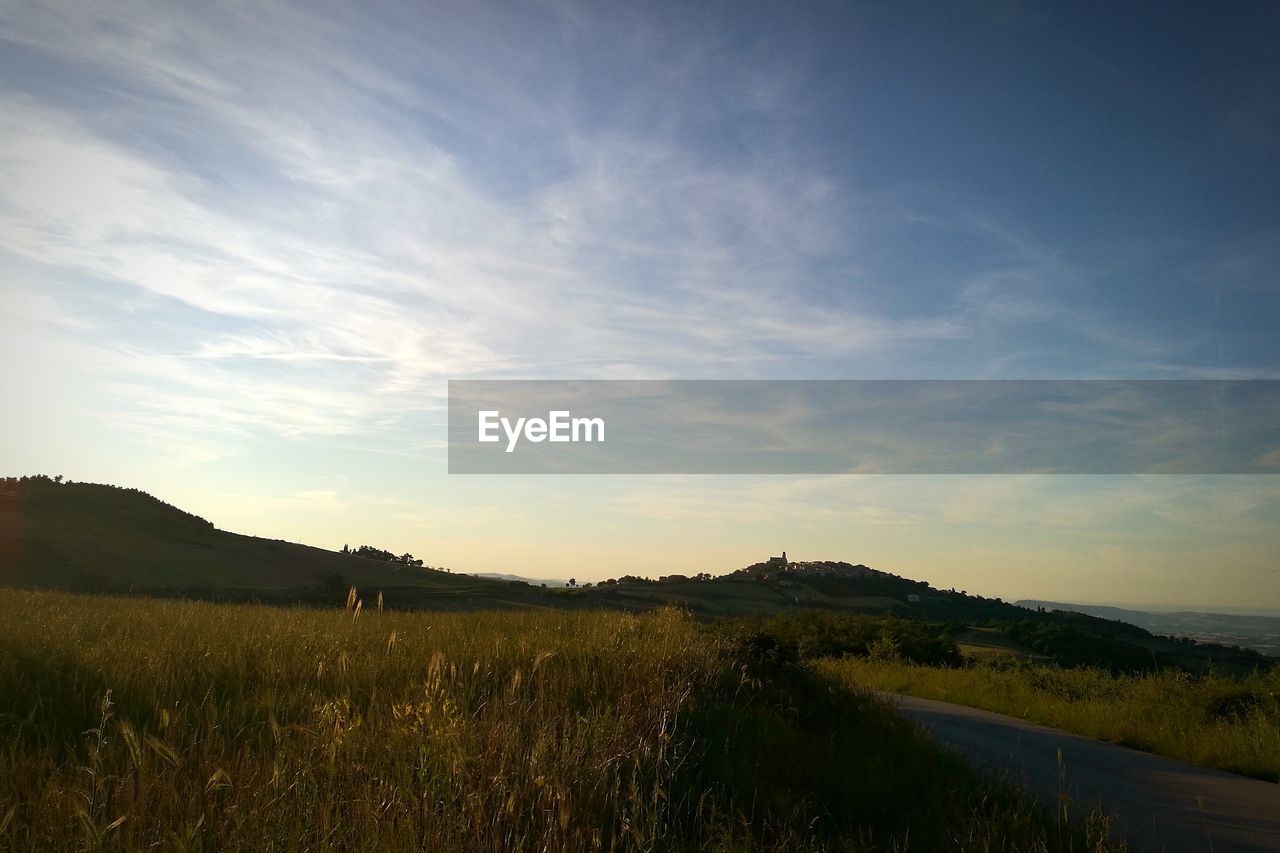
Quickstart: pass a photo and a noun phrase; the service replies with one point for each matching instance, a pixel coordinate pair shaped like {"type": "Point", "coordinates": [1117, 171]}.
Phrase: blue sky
{"type": "Point", "coordinates": [244, 246]}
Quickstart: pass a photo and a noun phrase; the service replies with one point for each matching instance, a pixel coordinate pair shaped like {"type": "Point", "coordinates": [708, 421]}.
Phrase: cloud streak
{"type": "Point", "coordinates": [282, 217]}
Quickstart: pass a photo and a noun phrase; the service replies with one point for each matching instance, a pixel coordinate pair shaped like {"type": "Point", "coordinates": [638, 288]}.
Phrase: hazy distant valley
{"type": "Point", "coordinates": [1248, 631]}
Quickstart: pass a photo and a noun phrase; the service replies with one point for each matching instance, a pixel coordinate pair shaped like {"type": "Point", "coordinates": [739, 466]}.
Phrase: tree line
{"type": "Point", "coordinates": [369, 552]}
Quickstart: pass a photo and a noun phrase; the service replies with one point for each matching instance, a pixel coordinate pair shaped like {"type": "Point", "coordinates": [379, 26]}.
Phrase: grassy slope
{"type": "Point", "coordinates": [135, 723]}
{"type": "Point", "coordinates": [84, 535]}
{"type": "Point", "coordinates": [1229, 723]}
{"type": "Point", "coordinates": [993, 644]}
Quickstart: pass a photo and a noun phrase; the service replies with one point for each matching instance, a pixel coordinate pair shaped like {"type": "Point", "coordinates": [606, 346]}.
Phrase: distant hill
{"type": "Point", "coordinates": [96, 538]}
{"type": "Point", "coordinates": [987, 625]}
{"type": "Point", "coordinates": [1250, 631]}
{"type": "Point", "coordinates": [505, 577]}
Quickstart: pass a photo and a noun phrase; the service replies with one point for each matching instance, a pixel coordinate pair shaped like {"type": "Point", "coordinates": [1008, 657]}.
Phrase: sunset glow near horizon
{"type": "Point", "coordinates": [243, 248]}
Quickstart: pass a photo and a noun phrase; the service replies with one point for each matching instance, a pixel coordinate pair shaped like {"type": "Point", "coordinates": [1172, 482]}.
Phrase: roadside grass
{"type": "Point", "coordinates": [130, 724]}
{"type": "Point", "coordinates": [1229, 723]}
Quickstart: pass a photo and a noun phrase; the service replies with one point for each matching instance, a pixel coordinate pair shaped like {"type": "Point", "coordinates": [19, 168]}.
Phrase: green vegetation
{"type": "Point", "coordinates": [1216, 720]}
{"type": "Point", "coordinates": [992, 644]}
{"type": "Point", "coordinates": [128, 723]}
{"type": "Point", "coordinates": [817, 634]}
{"type": "Point", "coordinates": [1229, 723]}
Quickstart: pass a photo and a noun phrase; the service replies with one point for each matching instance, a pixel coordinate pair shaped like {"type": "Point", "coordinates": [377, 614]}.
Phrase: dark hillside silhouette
{"type": "Point", "coordinates": [95, 538]}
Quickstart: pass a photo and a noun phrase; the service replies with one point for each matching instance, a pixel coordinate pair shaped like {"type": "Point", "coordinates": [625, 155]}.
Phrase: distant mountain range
{"type": "Point", "coordinates": [1251, 632]}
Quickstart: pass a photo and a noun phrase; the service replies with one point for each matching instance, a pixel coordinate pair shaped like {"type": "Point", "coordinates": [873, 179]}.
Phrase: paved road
{"type": "Point", "coordinates": [1159, 801]}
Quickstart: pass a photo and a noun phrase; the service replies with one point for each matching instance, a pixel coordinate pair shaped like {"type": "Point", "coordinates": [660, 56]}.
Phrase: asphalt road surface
{"type": "Point", "coordinates": [1159, 802]}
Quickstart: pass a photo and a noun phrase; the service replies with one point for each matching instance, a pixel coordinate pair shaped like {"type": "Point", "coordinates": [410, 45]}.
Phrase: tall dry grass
{"type": "Point", "coordinates": [136, 722]}
{"type": "Point", "coordinates": [128, 724]}
{"type": "Point", "coordinates": [1229, 723]}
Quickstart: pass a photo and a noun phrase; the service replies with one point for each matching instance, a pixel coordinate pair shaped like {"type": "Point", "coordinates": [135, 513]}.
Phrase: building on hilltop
{"type": "Point", "coordinates": [777, 562]}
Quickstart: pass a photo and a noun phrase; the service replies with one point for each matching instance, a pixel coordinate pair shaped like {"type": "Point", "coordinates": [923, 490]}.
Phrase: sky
{"type": "Point", "coordinates": [244, 247]}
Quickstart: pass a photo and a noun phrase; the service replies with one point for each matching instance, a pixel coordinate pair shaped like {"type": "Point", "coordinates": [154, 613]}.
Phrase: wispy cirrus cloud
{"type": "Point", "coordinates": [270, 212]}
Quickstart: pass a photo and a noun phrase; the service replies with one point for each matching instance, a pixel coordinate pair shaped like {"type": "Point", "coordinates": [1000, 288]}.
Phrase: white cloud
{"type": "Point", "coordinates": [371, 264]}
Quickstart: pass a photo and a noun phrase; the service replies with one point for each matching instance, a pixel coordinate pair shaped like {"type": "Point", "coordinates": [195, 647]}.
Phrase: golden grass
{"type": "Point", "coordinates": [1228, 723]}
{"type": "Point", "coordinates": [128, 724]}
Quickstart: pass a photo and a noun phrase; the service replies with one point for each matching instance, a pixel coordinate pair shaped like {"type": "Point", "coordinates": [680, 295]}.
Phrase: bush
{"type": "Point", "coordinates": [820, 634]}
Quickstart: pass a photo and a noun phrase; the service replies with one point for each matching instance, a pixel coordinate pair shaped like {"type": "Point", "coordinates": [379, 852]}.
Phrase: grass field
{"type": "Point", "coordinates": [130, 724]}
{"type": "Point", "coordinates": [990, 644]}
{"type": "Point", "coordinates": [1229, 723]}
